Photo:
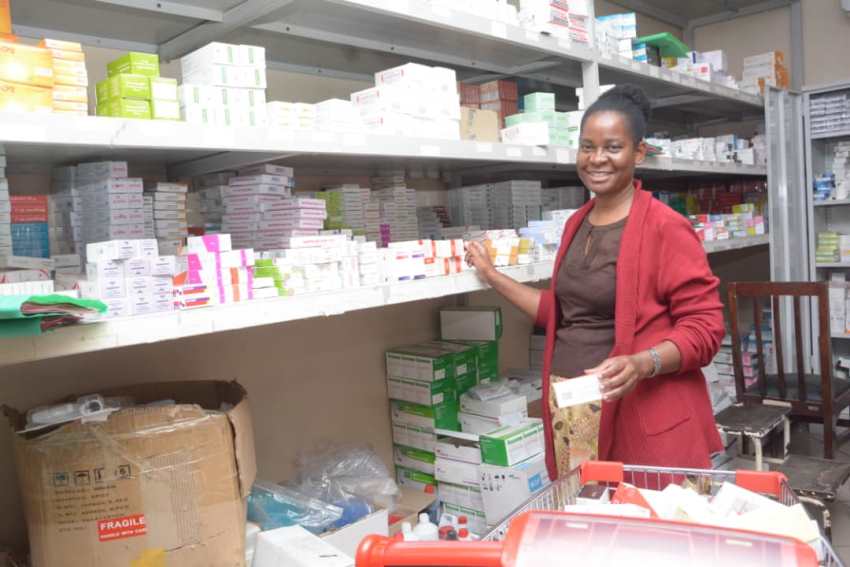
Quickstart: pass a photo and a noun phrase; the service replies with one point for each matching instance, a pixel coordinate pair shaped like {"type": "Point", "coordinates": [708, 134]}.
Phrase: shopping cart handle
{"type": "Point", "coordinates": [380, 551]}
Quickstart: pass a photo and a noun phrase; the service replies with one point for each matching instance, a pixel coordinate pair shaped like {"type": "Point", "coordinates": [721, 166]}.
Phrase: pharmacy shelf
{"type": "Point", "coordinates": [841, 335]}
{"type": "Point", "coordinates": [131, 331]}
{"type": "Point", "coordinates": [154, 328]}
{"type": "Point", "coordinates": [736, 244]}
{"type": "Point", "coordinates": [354, 38]}
{"type": "Point", "coordinates": [828, 265]}
{"type": "Point", "coordinates": [47, 139]}
{"type": "Point", "coordinates": [844, 133]}
{"type": "Point", "coordinates": [832, 203]}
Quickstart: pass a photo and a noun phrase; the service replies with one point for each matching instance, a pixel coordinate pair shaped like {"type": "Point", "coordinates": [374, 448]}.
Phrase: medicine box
{"type": "Point", "coordinates": [513, 444]}
{"type": "Point", "coordinates": [443, 416]}
{"type": "Point", "coordinates": [496, 407]}
{"type": "Point", "coordinates": [464, 496]}
{"type": "Point", "coordinates": [441, 394]}
{"type": "Point", "coordinates": [471, 323]}
{"type": "Point", "coordinates": [414, 459]}
{"type": "Point", "coordinates": [476, 519]}
{"type": "Point", "coordinates": [503, 489]}
{"type": "Point", "coordinates": [296, 547]}
{"type": "Point", "coordinates": [456, 472]}
{"type": "Point", "coordinates": [480, 425]}
{"type": "Point", "coordinates": [458, 446]}
{"type": "Point", "coordinates": [488, 359]}
{"type": "Point", "coordinates": [416, 437]}
{"type": "Point", "coordinates": [135, 63]}
{"type": "Point", "coordinates": [415, 480]}
{"type": "Point", "coordinates": [162, 88]}
{"type": "Point", "coordinates": [465, 363]}
{"type": "Point", "coordinates": [423, 362]}
{"type": "Point", "coordinates": [538, 101]}
{"type": "Point", "coordinates": [130, 108]}
{"type": "Point", "coordinates": [124, 86]}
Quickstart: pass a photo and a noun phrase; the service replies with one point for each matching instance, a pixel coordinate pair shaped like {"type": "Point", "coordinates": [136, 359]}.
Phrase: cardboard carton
{"type": "Point", "coordinates": [513, 444]}
{"type": "Point", "coordinates": [479, 125]}
{"type": "Point", "coordinates": [471, 323]}
{"type": "Point", "coordinates": [506, 488]}
{"type": "Point", "coordinates": [166, 480]}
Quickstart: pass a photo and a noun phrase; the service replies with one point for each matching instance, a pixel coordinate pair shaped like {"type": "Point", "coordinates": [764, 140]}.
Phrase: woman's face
{"type": "Point", "coordinates": [607, 153]}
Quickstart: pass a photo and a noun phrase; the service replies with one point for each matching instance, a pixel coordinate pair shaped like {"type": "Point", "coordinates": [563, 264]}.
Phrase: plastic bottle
{"type": "Point", "coordinates": [425, 530]}
{"type": "Point", "coordinates": [407, 532]}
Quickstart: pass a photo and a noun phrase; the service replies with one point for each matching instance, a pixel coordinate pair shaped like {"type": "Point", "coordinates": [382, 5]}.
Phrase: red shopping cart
{"type": "Point", "coordinates": [539, 533]}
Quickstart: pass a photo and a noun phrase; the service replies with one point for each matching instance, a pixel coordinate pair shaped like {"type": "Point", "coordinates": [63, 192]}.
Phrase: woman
{"type": "Point", "coordinates": [633, 300]}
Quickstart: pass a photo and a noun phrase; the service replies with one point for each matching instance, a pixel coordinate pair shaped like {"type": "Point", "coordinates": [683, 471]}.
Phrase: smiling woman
{"type": "Point", "coordinates": [633, 301]}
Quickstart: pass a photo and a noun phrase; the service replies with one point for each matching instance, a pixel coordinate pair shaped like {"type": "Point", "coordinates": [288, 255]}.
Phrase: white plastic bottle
{"type": "Point", "coordinates": [425, 530]}
{"type": "Point", "coordinates": [407, 532]}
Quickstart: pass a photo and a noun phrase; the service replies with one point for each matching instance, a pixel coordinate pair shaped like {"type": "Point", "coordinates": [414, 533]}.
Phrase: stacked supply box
{"type": "Point", "coordinates": [134, 89]}
{"type": "Point", "coordinates": [290, 218]}
{"type": "Point", "coordinates": [20, 275]}
{"type": "Point", "coordinates": [764, 70]}
{"type": "Point", "coordinates": [150, 223]}
{"type": "Point", "coordinates": [71, 80]}
{"type": "Point", "coordinates": [560, 198]}
{"type": "Point", "coordinates": [346, 206]}
{"type": "Point", "coordinates": [470, 95]}
{"type": "Point", "coordinates": [26, 78]}
{"type": "Point", "coordinates": [306, 264]}
{"type": "Point", "coordinates": [169, 215]}
{"type": "Point", "coordinates": [195, 214]}
{"type": "Point", "coordinates": [526, 128]}
{"type": "Point", "coordinates": [129, 276]}
{"type": "Point", "coordinates": [412, 99]}
{"type": "Point", "coordinates": [514, 203]}
{"type": "Point", "coordinates": [469, 206]}
{"type": "Point", "coordinates": [30, 234]}
{"type": "Point", "coordinates": [567, 19]}
{"type": "Point", "coordinates": [480, 328]}
{"type": "Point", "coordinates": [336, 115]}
{"type": "Point", "coordinates": [224, 85]}
{"type": "Point", "coordinates": [500, 96]}
{"type": "Point", "coordinates": [211, 271]}
{"type": "Point", "coordinates": [506, 247]}
{"type": "Point", "coordinates": [250, 194]}
{"type": "Point", "coordinates": [60, 233]}
{"type": "Point", "coordinates": [397, 206]}
{"type": "Point", "coordinates": [5, 208]}
{"type": "Point", "coordinates": [457, 468]}
{"type": "Point", "coordinates": [423, 392]}
{"type": "Point", "coordinates": [108, 205]}
{"type": "Point", "coordinates": [213, 189]}
{"type": "Point", "coordinates": [829, 112]}
{"type": "Point", "coordinates": [291, 115]}
{"type": "Point", "coordinates": [615, 33]}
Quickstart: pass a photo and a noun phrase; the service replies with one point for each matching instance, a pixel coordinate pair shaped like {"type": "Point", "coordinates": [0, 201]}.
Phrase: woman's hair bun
{"type": "Point", "coordinates": [633, 94]}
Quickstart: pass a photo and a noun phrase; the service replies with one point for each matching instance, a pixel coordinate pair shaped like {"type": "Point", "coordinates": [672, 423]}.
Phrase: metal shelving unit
{"type": "Point", "coordinates": [348, 39]}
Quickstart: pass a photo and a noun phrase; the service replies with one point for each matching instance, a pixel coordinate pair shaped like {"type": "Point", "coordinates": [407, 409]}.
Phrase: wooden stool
{"type": "Point", "coordinates": [756, 423]}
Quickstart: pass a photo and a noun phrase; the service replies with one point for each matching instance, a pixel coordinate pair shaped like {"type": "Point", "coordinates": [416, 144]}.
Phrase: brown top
{"type": "Point", "coordinates": [586, 292]}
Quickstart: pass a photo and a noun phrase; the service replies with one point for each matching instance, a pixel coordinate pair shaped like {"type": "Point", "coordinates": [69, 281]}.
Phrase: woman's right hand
{"type": "Point", "coordinates": [478, 257]}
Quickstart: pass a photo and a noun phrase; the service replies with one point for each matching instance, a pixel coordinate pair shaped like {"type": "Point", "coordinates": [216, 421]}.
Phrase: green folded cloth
{"type": "Point", "coordinates": [31, 315]}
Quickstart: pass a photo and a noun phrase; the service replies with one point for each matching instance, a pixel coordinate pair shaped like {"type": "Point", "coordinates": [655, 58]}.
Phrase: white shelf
{"type": "Point", "coordinates": [844, 133]}
{"type": "Point", "coordinates": [167, 326]}
{"type": "Point", "coordinates": [736, 243]}
{"type": "Point", "coordinates": [48, 139]}
{"type": "Point", "coordinates": [833, 265]}
{"type": "Point", "coordinates": [159, 327]}
{"type": "Point", "coordinates": [832, 203]}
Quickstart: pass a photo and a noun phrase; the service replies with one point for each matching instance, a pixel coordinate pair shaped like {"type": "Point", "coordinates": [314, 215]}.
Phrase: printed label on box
{"type": "Point", "coordinates": [122, 528]}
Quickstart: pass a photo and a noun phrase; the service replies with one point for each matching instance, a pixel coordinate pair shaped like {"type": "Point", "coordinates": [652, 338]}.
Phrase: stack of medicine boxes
{"type": "Point", "coordinates": [540, 108]}
{"type": "Point", "coordinates": [498, 437]}
{"type": "Point", "coordinates": [134, 89]}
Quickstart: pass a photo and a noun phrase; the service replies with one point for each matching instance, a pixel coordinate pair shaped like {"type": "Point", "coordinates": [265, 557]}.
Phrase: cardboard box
{"type": "Point", "coordinates": [487, 357]}
{"type": "Point", "coordinates": [425, 362]}
{"type": "Point", "coordinates": [416, 437]}
{"type": "Point", "coordinates": [503, 489]}
{"type": "Point", "coordinates": [170, 478]}
{"type": "Point", "coordinates": [130, 108]}
{"type": "Point", "coordinates": [409, 506]}
{"type": "Point", "coordinates": [25, 64]}
{"type": "Point", "coordinates": [125, 85]}
{"type": "Point", "coordinates": [476, 519]}
{"type": "Point", "coordinates": [5, 17]}
{"type": "Point", "coordinates": [465, 496]}
{"type": "Point", "coordinates": [513, 444]}
{"type": "Point", "coordinates": [479, 125]}
{"type": "Point", "coordinates": [348, 538]}
{"type": "Point", "coordinates": [479, 425]}
{"type": "Point", "coordinates": [538, 101]}
{"type": "Point", "coordinates": [135, 63]}
{"type": "Point", "coordinates": [414, 480]}
{"type": "Point", "coordinates": [471, 323]}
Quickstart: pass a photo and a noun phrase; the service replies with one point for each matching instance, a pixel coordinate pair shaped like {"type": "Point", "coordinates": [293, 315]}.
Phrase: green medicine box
{"type": "Point", "coordinates": [512, 444]}
{"type": "Point", "coordinates": [538, 101]}
{"type": "Point", "coordinates": [130, 108]}
{"type": "Point", "coordinates": [426, 362]}
{"type": "Point", "coordinates": [488, 359]}
{"type": "Point", "coordinates": [427, 417]}
{"type": "Point", "coordinates": [104, 109]}
{"type": "Point", "coordinates": [440, 395]}
{"type": "Point", "coordinates": [124, 86]}
{"type": "Point", "coordinates": [135, 63]}
{"type": "Point", "coordinates": [548, 116]}
{"type": "Point", "coordinates": [414, 459]}
{"type": "Point", "coordinates": [415, 480]}
{"type": "Point", "coordinates": [465, 362]}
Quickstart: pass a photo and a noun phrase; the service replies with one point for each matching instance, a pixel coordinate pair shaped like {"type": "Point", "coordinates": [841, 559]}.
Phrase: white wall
{"type": "Point", "coordinates": [826, 42]}
{"type": "Point", "coordinates": [646, 25]}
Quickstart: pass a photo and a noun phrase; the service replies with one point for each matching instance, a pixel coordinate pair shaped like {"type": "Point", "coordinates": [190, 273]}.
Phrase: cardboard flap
{"type": "Point", "coordinates": [243, 438]}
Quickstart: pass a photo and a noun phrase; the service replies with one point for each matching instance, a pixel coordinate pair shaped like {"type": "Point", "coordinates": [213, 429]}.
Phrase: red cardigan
{"type": "Point", "coordinates": [665, 290]}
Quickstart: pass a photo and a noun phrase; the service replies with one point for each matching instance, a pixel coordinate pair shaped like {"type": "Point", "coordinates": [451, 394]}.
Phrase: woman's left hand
{"type": "Point", "coordinates": [619, 375]}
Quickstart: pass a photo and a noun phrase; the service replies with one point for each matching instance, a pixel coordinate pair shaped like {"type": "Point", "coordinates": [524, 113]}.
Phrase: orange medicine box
{"type": "Point", "coordinates": [65, 93]}
{"type": "Point", "coordinates": [15, 97]}
{"type": "Point", "coordinates": [25, 64]}
{"type": "Point", "coordinates": [5, 17]}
